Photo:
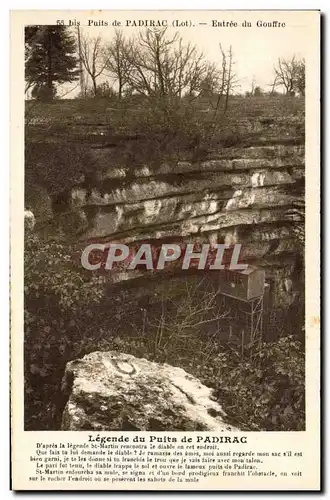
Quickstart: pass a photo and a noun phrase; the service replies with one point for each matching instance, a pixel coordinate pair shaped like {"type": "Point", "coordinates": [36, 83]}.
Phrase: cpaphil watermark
{"type": "Point", "coordinates": [151, 257]}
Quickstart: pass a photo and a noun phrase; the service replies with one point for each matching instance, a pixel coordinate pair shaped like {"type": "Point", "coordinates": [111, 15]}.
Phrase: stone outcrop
{"type": "Point", "coordinates": [215, 193]}
{"type": "Point", "coordinates": [110, 391]}
{"type": "Point", "coordinates": [238, 195]}
{"type": "Point", "coordinates": [252, 194]}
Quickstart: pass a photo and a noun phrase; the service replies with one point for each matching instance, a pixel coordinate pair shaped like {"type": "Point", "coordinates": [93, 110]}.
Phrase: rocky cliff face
{"type": "Point", "coordinates": [250, 195]}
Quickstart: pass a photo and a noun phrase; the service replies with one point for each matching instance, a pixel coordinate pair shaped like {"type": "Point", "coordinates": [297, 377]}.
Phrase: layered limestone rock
{"type": "Point", "coordinates": [250, 194]}
{"type": "Point", "coordinates": [246, 195]}
{"type": "Point", "coordinates": [249, 186]}
{"type": "Point", "coordinates": [111, 391]}
{"type": "Point", "coordinates": [188, 215]}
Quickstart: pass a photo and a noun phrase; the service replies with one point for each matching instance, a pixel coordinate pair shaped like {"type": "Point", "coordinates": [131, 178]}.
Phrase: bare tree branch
{"type": "Point", "coordinates": [92, 58]}
{"type": "Point", "coordinates": [290, 74]}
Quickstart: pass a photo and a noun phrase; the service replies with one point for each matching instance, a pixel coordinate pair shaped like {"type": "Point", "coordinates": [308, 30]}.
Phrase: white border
{"type": "Point", "coordinates": [4, 196]}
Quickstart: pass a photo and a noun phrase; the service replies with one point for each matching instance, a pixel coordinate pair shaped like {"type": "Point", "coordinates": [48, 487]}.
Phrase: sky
{"type": "Point", "coordinates": [256, 49]}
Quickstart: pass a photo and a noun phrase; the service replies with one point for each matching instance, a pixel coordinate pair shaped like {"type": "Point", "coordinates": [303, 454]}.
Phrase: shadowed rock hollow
{"type": "Point", "coordinates": [109, 391]}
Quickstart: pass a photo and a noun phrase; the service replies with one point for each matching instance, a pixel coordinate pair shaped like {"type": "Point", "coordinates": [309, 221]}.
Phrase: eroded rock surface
{"type": "Point", "coordinates": [110, 391]}
{"type": "Point", "coordinates": [251, 193]}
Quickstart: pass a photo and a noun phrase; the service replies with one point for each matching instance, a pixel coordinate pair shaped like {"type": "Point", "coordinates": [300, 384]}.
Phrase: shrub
{"type": "Point", "coordinates": [265, 391]}
{"type": "Point", "coordinates": [262, 387]}
{"type": "Point", "coordinates": [55, 166]}
{"type": "Point", "coordinates": [43, 92]}
{"type": "Point", "coordinates": [166, 130]}
{"type": "Point", "coordinates": [103, 90]}
{"type": "Point", "coordinates": [59, 304]}
{"type": "Point", "coordinates": [70, 312]}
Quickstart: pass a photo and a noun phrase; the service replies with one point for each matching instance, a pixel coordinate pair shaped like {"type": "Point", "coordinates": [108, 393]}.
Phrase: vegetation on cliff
{"type": "Point", "coordinates": [69, 314]}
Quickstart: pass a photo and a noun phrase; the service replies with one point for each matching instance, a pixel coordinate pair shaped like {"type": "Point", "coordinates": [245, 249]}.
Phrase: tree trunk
{"type": "Point", "coordinates": [94, 85]}
{"type": "Point", "coordinates": [49, 95]}
{"type": "Point", "coordinates": [120, 88]}
{"type": "Point", "coordinates": [160, 71]}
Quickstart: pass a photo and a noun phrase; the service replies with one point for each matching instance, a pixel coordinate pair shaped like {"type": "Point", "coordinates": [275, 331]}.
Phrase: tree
{"type": "Point", "coordinates": [91, 53]}
{"type": "Point", "coordinates": [117, 63]}
{"type": "Point", "coordinates": [290, 74]}
{"type": "Point", "coordinates": [300, 77]}
{"type": "Point", "coordinates": [258, 92]}
{"type": "Point", "coordinates": [30, 40]}
{"type": "Point", "coordinates": [50, 58]}
{"type": "Point", "coordinates": [228, 80]}
{"type": "Point", "coordinates": [103, 90]}
{"type": "Point", "coordinates": [164, 66]}
{"type": "Point", "coordinates": [253, 85]}
{"type": "Point", "coordinates": [272, 91]}
{"type": "Point", "coordinates": [149, 57]}
{"type": "Point", "coordinates": [209, 85]}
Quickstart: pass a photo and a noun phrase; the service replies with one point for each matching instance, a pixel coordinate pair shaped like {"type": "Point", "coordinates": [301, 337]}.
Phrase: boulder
{"type": "Point", "coordinates": [111, 391]}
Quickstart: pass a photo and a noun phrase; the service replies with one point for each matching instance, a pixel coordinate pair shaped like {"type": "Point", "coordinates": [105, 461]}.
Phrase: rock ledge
{"type": "Point", "coordinates": [111, 391]}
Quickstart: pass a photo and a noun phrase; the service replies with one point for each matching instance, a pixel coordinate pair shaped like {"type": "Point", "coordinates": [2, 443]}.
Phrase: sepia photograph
{"type": "Point", "coordinates": [164, 227]}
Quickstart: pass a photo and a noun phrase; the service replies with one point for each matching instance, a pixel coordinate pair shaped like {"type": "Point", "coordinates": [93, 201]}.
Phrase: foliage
{"type": "Point", "coordinates": [258, 92]}
{"type": "Point", "coordinates": [57, 166]}
{"type": "Point", "coordinates": [59, 308]}
{"type": "Point", "coordinates": [164, 131]}
{"type": "Point", "coordinates": [265, 390]}
{"type": "Point", "coordinates": [300, 77]}
{"type": "Point", "coordinates": [70, 312]}
{"type": "Point", "coordinates": [43, 92]}
{"type": "Point", "coordinates": [103, 90]}
{"type": "Point", "coordinates": [74, 112]}
{"type": "Point", "coordinates": [261, 386]}
{"type": "Point", "coordinates": [49, 59]}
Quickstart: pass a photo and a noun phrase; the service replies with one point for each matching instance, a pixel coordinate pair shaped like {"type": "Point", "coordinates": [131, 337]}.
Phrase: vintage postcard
{"type": "Point", "coordinates": [165, 198]}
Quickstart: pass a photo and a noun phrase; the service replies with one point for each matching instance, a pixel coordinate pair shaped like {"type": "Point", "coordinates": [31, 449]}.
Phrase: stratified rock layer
{"type": "Point", "coordinates": [110, 391]}
{"type": "Point", "coordinates": [251, 194]}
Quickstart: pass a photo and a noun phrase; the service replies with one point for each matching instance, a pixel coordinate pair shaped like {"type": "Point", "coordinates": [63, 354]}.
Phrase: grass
{"type": "Point", "coordinates": [105, 112]}
{"type": "Point", "coordinates": [145, 132]}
